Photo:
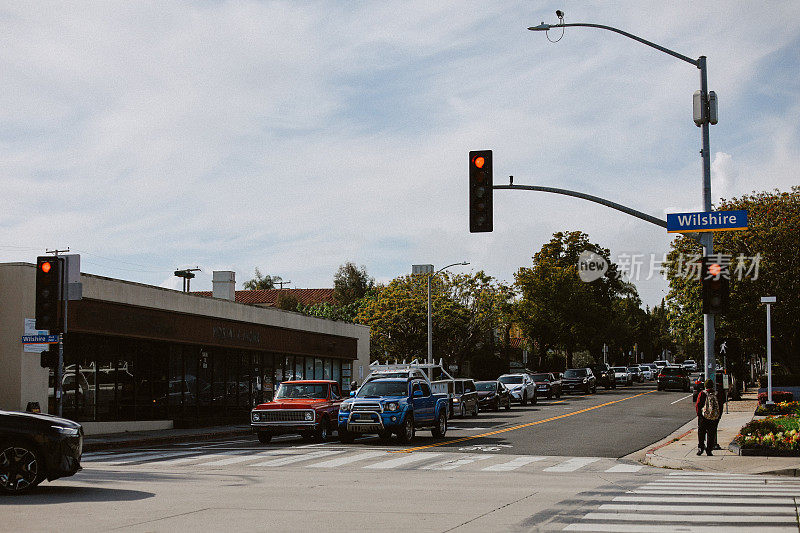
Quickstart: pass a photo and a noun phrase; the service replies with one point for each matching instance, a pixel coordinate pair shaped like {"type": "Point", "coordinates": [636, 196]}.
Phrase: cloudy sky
{"type": "Point", "coordinates": [296, 136]}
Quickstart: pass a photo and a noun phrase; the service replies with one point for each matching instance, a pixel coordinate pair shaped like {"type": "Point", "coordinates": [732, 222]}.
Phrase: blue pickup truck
{"type": "Point", "coordinates": [393, 405]}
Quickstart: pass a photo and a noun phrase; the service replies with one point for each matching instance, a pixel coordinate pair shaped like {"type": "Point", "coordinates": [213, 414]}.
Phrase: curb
{"type": "Point", "coordinates": [112, 444]}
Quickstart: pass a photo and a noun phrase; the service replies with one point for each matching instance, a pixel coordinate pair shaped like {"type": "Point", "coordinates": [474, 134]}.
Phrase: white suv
{"type": "Point", "coordinates": [521, 386]}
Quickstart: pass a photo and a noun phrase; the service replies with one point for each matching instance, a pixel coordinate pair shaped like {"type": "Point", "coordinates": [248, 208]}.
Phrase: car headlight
{"type": "Point", "coordinates": [255, 417]}
{"type": "Point", "coordinates": [392, 406]}
{"type": "Point", "coordinates": [456, 400]}
{"type": "Point", "coordinates": [586, 380]}
{"type": "Point", "coordinates": [345, 407]}
{"type": "Point", "coordinates": [71, 432]}
{"type": "Point", "coordinates": [309, 416]}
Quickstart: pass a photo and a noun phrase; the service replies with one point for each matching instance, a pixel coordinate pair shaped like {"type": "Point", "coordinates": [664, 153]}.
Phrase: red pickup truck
{"type": "Point", "coordinates": [307, 407]}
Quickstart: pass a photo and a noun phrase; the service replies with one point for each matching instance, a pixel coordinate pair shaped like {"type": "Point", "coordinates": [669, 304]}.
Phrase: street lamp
{"type": "Point", "coordinates": [769, 300]}
{"type": "Point", "coordinates": [706, 115]}
{"type": "Point", "coordinates": [428, 269]}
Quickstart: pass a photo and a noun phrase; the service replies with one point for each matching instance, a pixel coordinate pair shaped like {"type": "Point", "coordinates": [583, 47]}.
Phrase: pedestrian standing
{"type": "Point", "coordinates": [708, 415]}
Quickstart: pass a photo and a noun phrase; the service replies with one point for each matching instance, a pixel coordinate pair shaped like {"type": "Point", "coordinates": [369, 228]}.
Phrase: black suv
{"type": "Point", "coordinates": [578, 380]}
{"type": "Point", "coordinates": [604, 375]}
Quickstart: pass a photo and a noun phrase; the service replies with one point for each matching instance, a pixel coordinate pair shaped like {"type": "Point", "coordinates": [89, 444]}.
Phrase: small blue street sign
{"type": "Point", "coordinates": [39, 339]}
{"type": "Point", "coordinates": [706, 221]}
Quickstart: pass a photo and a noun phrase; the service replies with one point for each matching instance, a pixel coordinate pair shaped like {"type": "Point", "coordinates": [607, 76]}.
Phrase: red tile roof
{"type": "Point", "coordinates": [269, 297]}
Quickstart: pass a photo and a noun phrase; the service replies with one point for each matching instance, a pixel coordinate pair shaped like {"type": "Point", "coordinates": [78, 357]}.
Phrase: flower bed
{"type": "Point", "coordinates": [771, 436]}
{"type": "Point", "coordinates": [782, 408]}
{"type": "Point", "coordinates": [778, 396]}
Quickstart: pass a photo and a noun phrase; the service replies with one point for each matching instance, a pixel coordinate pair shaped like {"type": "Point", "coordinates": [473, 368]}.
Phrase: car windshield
{"type": "Point", "coordinates": [633, 368]}
{"type": "Point", "coordinates": [541, 377]}
{"type": "Point", "coordinates": [302, 390]}
{"type": "Point", "coordinates": [510, 379]}
{"type": "Point", "coordinates": [672, 371]}
{"type": "Point", "coordinates": [489, 386]}
{"type": "Point", "coordinates": [575, 373]}
{"type": "Point", "coordinates": [619, 369]}
{"type": "Point", "coordinates": [375, 389]}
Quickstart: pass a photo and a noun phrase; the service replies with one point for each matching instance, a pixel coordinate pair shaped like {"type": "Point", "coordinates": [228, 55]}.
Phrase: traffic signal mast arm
{"type": "Point", "coordinates": [597, 200]}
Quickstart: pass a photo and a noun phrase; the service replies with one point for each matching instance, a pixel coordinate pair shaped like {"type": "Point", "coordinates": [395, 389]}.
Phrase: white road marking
{"type": "Point", "coordinates": [452, 464]}
{"type": "Point", "coordinates": [403, 460]}
{"type": "Point", "coordinates": [680, 399]}
{"type": "Point", "coordinates": [296, 458]}
{"type": "Point", "coordinates": [719, 518]}
{"type": "Point", "coordinates": [624, 468]}
{"type": "Point", "coordinates": [679, 509]}
{"type": "Point", "coordinates": [667, 528]}
{"type": "Point", "coordinates": [333, 463]}
{"type": "Point", "coordinates": [513, 464]}
{"type": "Point", "coordinates": [572, 464]}
{"type": "Point", "coordinates": [690, 500]}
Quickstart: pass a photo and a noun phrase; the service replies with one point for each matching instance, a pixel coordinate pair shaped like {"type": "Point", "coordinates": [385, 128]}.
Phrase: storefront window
{"type": "Point", "coordinates": [309, 368]}
{"type": "Point", "coordinates": [327, 373]}
{"type": "Point", "coordinates": [336, 372]}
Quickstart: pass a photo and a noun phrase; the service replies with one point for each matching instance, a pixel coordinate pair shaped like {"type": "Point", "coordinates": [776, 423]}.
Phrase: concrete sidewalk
{"type": "Point", "coordinates": [162, 436]}
{"type": "Point", "coordinates": [679, 450]}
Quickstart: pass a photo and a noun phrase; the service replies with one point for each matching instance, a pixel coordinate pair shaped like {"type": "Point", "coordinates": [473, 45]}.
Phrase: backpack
{"type": "Point", "coordinates": [711, 407]}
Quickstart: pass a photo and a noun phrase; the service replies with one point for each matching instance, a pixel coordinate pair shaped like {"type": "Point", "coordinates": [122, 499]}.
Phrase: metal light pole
{"type": "Point", "coordinates": [428, 269]}
{"type": "Point", "coordinates": [769, 300]}
{"type": "Point", "coordinates": [707, 238]}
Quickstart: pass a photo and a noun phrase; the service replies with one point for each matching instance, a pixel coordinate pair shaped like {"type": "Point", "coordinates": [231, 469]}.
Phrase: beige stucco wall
{"type": "Point", "coordinates": [23, 380]}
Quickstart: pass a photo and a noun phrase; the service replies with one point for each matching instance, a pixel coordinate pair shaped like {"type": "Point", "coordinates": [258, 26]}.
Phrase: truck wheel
{"type": "Point", "coordinates": [475, 410]}
{"type": "Point", "coordinates": [524, 400]}
{"type": "Point", "coordinates": [322, 433]}
{"type": "Point", "coordinates": [439, 430]}
{"type": "Point", "coordinates": [535, 399]}
{"type": "Point", "coordinates": [346, 437]}
{"type": "Point", "coordinates": [508, 405]}
{"type": "Point", "coordinates": [406, 433]}
{"type": "Point", "coordinates": [264, 437]}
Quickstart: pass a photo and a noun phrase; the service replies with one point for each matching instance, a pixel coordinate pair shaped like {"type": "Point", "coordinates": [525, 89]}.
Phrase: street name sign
{"type": "Point", "coordinates": [39, 339]}
{"type": "Point", "coordinates": [706, 221]}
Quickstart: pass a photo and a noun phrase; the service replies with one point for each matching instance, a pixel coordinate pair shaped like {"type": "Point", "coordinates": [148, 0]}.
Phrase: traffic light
{"type": "Point", "coordinates": [716, 286]}
{"type": "Point", "coordinates": [49, 305]}
{"type": "Point", "coordinates": [49, 358]}
{"type": "Point", "coordinates": [480, 191]}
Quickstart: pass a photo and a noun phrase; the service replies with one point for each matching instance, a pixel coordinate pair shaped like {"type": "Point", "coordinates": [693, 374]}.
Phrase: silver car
{"type": "Point", "coordinates": [521, 386]}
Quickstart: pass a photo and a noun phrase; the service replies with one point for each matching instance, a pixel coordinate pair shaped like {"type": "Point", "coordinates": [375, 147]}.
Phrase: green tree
{"type": "Point", "coordinates": [350, 283]}
{"type": "Point", "coordinates": [557, 309]}
{"type": "Point", "coordinates": [773, 239]}
{"type": "Point", "coordinates": [260, 282]}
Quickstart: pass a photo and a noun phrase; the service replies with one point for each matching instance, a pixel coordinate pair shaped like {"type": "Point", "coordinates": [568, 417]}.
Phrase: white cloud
{"type": "Point", "coordinates": [295, 137]}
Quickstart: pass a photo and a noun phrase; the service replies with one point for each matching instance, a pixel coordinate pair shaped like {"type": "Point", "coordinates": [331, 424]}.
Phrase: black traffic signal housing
{"type": "Point", "coordinates": [715, 277]}
{"type": "Point", "coordinates": [49, 358]}
{"type": "Point", "coordinates": [49, 294]}
{"type": "Point", "coordinates": [480, 191]}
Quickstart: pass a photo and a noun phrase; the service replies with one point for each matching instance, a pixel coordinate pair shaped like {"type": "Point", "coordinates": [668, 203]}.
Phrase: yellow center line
{"type": "Point", "coordinates": [455, 441]}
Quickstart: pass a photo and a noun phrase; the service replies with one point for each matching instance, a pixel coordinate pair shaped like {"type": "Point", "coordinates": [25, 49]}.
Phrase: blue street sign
{"type": "Point", "coordinates": [706, 221]}
{"type": "Point", "coordinates": [39, 339]}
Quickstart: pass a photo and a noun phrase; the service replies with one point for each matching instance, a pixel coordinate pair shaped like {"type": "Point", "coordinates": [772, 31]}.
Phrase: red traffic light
{"type": "Point", "coordinates": [46, 266]}
{"type": "Point", "coordinates": [479, 161]}
{"type": "Point", "coordinates": [714, 269]}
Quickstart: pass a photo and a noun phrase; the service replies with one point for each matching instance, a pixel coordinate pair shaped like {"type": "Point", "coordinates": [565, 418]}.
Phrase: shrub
{"type": "Point", "coordinates": [782, 408]}
{"type": "Point", "coordinates": [778, 396]}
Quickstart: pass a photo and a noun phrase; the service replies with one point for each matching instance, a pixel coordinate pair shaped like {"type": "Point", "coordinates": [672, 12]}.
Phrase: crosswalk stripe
{"type": "Point", "coordinates": [711, 492]}
{"type": "Point", "coordinates": [135, 458]}
{"type": "Point", "coordinates": [667, 528]}
{"type": "Point", "coordinates": [333, 463]}
{"type": "Point", "coordinates": [296, 458]}
{"type": "Point", "coordinates": [718, 518]}
{"type": "Point", "coordinates": [625, 468]}
{"type": "Point", "coordinates": [678, 509]}
{"type": "Point", "coordinates": [513, 464]}
{"type": "Point", "coordinates": [706, 481]}
{"type": "Point", "coordinates": [404, 460]}
{"type": "Point", "coordinates": [729, 500]}
{"type": "Point", "coordinates": [723, 486]}
{"type": "Point", "coordinates": [573, 464]}
{"type": "Point", "coordinates": [452, 464]}
{"type": "Point", "coordinates": [235, 459]}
